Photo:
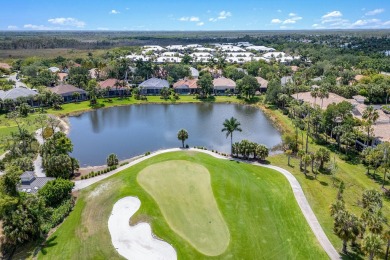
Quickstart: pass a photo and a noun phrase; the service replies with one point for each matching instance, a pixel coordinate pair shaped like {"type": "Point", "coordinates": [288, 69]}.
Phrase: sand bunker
{"type": "Point", "coordinates": [135, 242]}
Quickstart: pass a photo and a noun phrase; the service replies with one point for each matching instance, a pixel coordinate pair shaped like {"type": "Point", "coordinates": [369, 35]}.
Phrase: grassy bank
{"type": "Point", "coordinates": [322, 192]}
{"type": "Point", "coordinates": [75, 108]}
{"type": "Point", "coordinates": [257, 204]}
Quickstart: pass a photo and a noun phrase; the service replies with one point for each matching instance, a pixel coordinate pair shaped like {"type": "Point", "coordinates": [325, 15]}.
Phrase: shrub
{"type": "Point", "coordinates": [147, 153]}
{"type": "Point", "coordinates": [112, 159]}
{"type": "Point", "coordinates": [55, 191]}
{"type": "Point", "coordinates": [187, 146]}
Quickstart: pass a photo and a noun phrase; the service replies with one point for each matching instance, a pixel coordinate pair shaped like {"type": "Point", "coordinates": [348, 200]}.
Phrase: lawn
{"type": "Point", "coordinates": [72, 108]}
{"type": "Point", "coordinates": [257, 205]}
{"type": "Point", "coordinates": [190, 209]}
{"type": "Point", "coordinates": [322, 192]}
{"type": "Point", "coordinates": [7, 126]}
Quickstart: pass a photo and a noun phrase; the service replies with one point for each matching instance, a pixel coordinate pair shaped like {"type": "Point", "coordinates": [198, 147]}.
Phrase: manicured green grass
{"type": "Point", "coordinates": [190, 209]}
{"type": "Point", "coordinates": [257, 205]}
{"type": "Point", "coordinates": [322, 192]}
{"type": "Point", "coordinates": [7, 126]}
{"type": "Point", "coordinates": [72, 108]}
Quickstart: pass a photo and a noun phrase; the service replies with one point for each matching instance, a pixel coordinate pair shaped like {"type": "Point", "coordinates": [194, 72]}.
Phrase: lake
{"type": "Point", "coordinates": [133, 130]}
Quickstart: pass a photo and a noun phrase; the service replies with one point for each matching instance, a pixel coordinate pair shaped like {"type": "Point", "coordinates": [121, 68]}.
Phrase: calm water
{"type": "Point", "coordinates": [133, 130]}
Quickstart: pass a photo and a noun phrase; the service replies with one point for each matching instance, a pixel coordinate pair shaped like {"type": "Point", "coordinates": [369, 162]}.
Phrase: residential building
{"type": "Point", "coordinates": [17, 92]}
{"type": "Point", "coordinates": [222, 84]}
{"type": "Point", "coordinates": [263, 84]}
{"type": "Point", "coordinates": [186, 86]}
{"type": "Point", "coordinates": [153, 86]}
{"type": "Point", "coordinates": [62, 76]}
{"type": "Point", "coordinates": [194, 72]}
{"type": "Point", "coordinates": [113, 87]}
{"type": "Point", "coordinates": [285, 80]}
{"type": "Point", "coordinates": [31, 183]}
{"type": "Point", "coordinates": [67, 92]}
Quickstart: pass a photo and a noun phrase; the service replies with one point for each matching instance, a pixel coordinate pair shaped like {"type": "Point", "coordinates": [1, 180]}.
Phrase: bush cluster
{"type": "Point", "coordinates": [93, 174]}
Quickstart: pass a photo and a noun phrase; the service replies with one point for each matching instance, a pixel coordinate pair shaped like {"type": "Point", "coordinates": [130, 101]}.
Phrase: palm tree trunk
{"type": "Point", "coordinates": [384, 179]}
{"type": "Point", "coordinates": [182, 141]}
{"type": "Point", "coordinates": [345, 246]}
{"type": "Point", "coordinates": [387, 250]}
{"type": "Point", "coordinates": [231, 144]}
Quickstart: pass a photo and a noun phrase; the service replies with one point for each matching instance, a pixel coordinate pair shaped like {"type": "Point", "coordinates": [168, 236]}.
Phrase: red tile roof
{"type": "Point", "coordinates": [5, 66]}
{"type": "Point", "coordinates": [108, 83]}
{"type": "Point", "coordinates": [190, 83]}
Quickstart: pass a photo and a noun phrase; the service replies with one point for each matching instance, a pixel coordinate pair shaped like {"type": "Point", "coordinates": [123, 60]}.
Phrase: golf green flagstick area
{"type": "Point", "coordinates": [183, 192]}
{"type": "Point", "coordinates": [255, 205]}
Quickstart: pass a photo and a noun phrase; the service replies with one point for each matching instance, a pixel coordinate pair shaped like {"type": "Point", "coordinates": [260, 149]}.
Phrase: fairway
{"type": "Point", "coordinates": [257, 205]}
{"type": "Point", "coordinates": [183, 192]}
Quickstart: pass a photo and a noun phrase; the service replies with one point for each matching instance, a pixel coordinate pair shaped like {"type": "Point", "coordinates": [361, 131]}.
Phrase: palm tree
{"type": "Point", "coordinates": [288, 153]}
{"type": "Point", "coordinates": [182, 135]}
{"type": "Point", "coordinates": [370, 115]}
{"type": "Point", "coordinates": [229, 126]}
{"type": "Point", "coordinates": [372, 245]}
{"type": "Point", "coordinates": [346, 227]}
{"type": "Point", "coordinates": [323, 93]}
{"type": "Point", "coordinates": [386, 236]}
{"type": "Point", "coordinates": [315, 93]}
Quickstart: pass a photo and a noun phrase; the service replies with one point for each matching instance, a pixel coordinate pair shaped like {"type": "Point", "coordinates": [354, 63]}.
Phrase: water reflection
{"type": "Point", "coordinates": [133, 130]}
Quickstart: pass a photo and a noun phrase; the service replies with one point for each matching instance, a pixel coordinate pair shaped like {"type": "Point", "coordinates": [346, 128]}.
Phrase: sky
{"type": "Point", "coordinates": [195, 15]}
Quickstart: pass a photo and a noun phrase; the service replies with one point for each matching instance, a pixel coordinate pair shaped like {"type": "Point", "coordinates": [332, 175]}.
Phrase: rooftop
{"type": "Point", "coordinates": [186, 83]}
{"type": "Point", "coordinates": [65, 89]}
{"type": "Point", "coordinates": [306, 97]}
{"type": "Point", "coordinates": [223, 82]}
{"type": "Point", "coordinates": [155, 83]}
{"type": "Point", "coordinates": [14, 93]}
{"type": "Point", "coordinates": [108, 83]}
{"type": "Point", "coordinates": [31, 184]}
{"type": "Point", "coordinates": [263, 82]}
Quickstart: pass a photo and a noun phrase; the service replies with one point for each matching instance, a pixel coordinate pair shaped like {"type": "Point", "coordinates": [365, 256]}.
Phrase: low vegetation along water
{"type": "Point", "coordinates": [132, 130]}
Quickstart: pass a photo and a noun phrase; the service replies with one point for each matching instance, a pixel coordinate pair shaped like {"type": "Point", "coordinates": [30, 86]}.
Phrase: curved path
{"type": "Point", "coordinates": [296, 187]}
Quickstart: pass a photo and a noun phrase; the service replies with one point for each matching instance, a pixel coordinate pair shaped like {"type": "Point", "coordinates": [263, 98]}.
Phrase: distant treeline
{"type": "Point", "coordinates": [367, 41]}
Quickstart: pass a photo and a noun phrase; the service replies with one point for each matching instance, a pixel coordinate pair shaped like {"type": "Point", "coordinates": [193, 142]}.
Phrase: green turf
{"type": "Point", "coordinates": [257, 205]}
{"type": "Point", "coordinates": [322, 192]}
{"type": "Point", "coordinates": [190, 208]}
{"type": "Point", "coordinates": [72, 108]}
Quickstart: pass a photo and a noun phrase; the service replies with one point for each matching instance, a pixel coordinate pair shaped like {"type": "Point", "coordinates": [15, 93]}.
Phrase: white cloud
{"type": "Point", "coordinates": [12, 27]}
{"type": "Point", "coordinates": [224, 15]}
{"type": "Point", "coordinates": [189, 19]}
{"type": "Point", "coordinates": [194, 19]}
{"type": "Point", "coordinates": [200, 24]}
{"type": "Point", "coordinates": [292, 20]}
{"type": "Point", "coordinates": [113, 11]}
{"type": "Point", "coordinates": [102, 29]}
{"type": "Point", "coordinates": [289, 21]}
{"type": "Point", "coordinates": [375, 12]}
{"type": "Point", "coordinates": [335, 20]}
{"type": "Point", "coordinates": [332, 14]}
{"type": "Point", "coordinates": [221, 16]}
{"type": "Point", "coordinates": [37, 27]}
{"type": "Point", "coordinates": [276, 21]}
{"type": "Point", "coordinates": [67, 22]}
{"type": "Point", "coordinates": [279, 11]}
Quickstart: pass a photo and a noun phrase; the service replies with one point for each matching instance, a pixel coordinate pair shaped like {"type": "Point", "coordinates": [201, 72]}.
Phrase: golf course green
{"type": "Point", "coordinates": [189, 208]}
{"type": "Point", "coordinates": [252, 210]}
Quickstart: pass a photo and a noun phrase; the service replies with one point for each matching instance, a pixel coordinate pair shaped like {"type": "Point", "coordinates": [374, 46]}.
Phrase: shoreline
{"type": "Point", "coordinates": [66, 127]}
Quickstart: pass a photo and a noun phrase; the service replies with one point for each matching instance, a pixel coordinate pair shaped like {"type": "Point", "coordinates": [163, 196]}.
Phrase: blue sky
{"type": "Point", "coordinates": [193, 15]}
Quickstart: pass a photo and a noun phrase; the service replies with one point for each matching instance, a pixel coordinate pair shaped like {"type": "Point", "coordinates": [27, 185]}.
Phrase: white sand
{"type": "Point", "coordinates": [135, 242]}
